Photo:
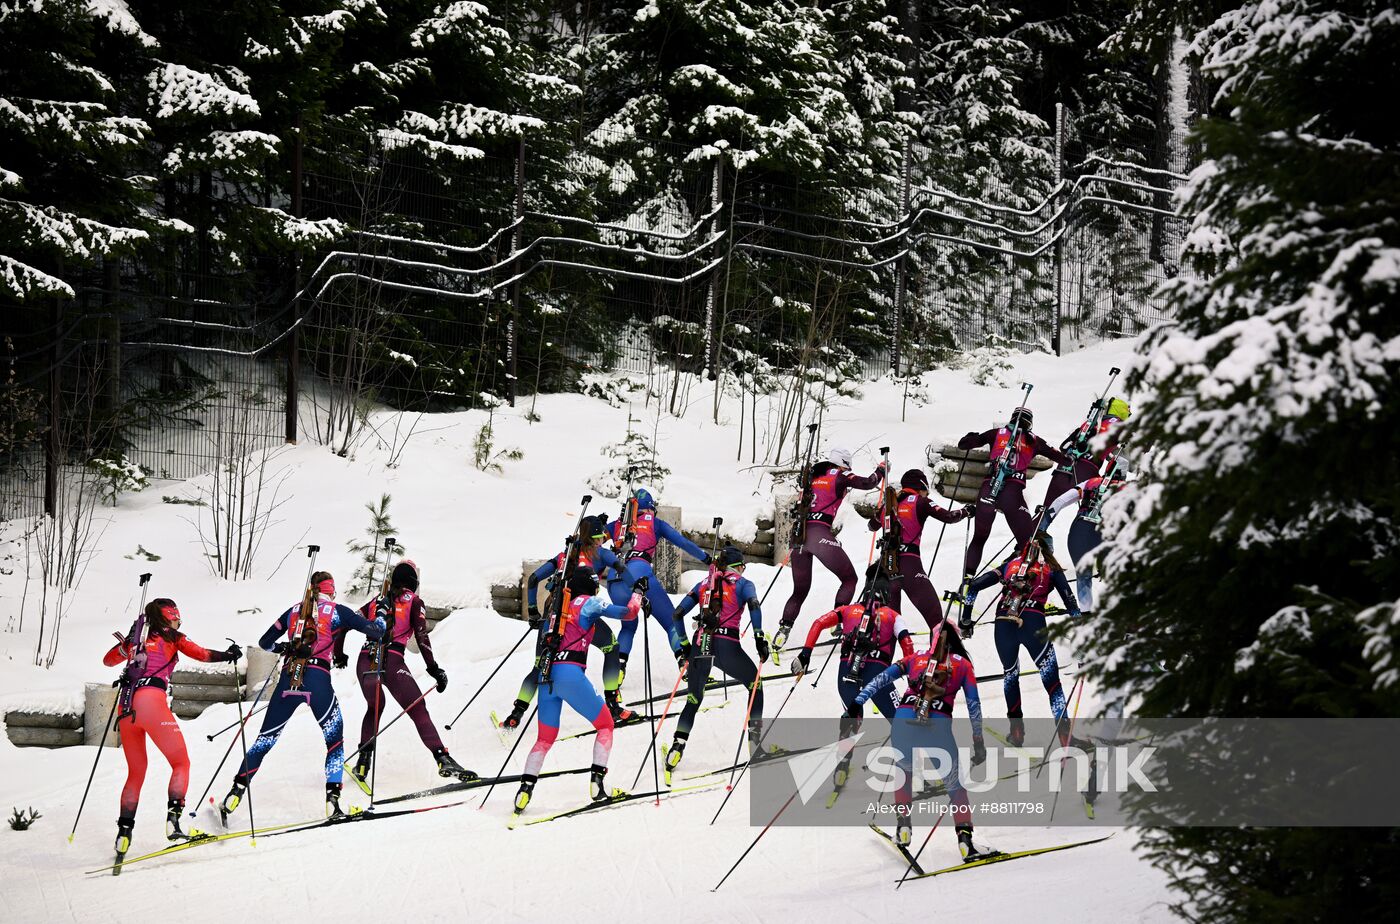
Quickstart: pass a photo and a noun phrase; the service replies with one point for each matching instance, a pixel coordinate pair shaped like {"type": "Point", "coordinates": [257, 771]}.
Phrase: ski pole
{"type": "Point", "coordinates": [381, 653]}
{"type": "Point", "coordinates": [1059, 720]}
{"type": "Point", "coordinates": [232, 725]}
{"type": "Point", "coordinates": [143, 580]}
{"type": "Point", "coordinates": [500, 665]}
{"type": "Point", "coordinates": [744, 729]}
{"type": "Point", "coordinates": [772, 821]}
{"type": "Point", "coordinates": [939, 544]}
{"type": "Point", "coordinates": [920, 853]}
{"type": "Point", "coordinates": [1070, 734]}
{"type": "Point", "coordinates": [387, 726]}
{"type": "Point", "coordinates": [525, 726]}
{"type": "Point", "coordinates": [243, 736]}
{"type": "Point", "coordinates": [826, 662]}
{"type": "Point", "coordinates": [261, 690]}
{"type": "Point", "coordinates": [646, 664]}
{"type": "Point", "coordinates": [749, 762]}
{"type": "Point", "coordinates": [664, 712]}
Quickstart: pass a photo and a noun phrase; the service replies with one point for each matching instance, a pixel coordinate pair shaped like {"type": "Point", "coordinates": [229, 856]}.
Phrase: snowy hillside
{"type": "Point", "coordinates": [467, 530]}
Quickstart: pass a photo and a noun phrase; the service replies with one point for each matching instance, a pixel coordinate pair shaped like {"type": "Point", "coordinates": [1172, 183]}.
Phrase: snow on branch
{"type": "Point", "coordinates": [21, 281]}
{"type": "Point", "coordinates": [82, 238]}
{"type": "Point", "coordinates": [177, 90]}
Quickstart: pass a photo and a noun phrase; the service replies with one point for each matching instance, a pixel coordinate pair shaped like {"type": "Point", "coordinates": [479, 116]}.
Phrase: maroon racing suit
{"type": "Point", "coordinates": [406, 620]}
{"type": "Point", "coordinates": [830, 482]}
{"type": "Point", "coordinates": [1011, 501]}
{"type": "Point", "coordinates": [1084, 462]}
{"type": "Point", "coordinates": [911, 511]}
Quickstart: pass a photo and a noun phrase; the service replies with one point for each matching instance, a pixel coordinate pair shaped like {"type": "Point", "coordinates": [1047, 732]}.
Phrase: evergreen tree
{"type": "Point", "coordinates": [1273, 443]}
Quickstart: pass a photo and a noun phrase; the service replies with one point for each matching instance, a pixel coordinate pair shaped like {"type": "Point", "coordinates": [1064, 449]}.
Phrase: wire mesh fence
{"type": "Point", "coordinates": [456, 280]}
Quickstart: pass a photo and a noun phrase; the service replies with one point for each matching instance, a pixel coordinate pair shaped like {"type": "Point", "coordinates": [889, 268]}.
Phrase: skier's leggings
{"type": "Point", "coordinates": [937, 736]}
{"type": "Point", "coordinates": [821, 544]}
{"type": "Point", "coordinates": [603, 640]}
{"type": "Point", "coordinates": [151, 716]}
{"type": "Point", "coordinates": [1012, 504]}
{"type": "Point", "coordinates": [316, 693]}
{"type": "Point", "coordinates": [913, 581]}
{"type": "Point", "coordinates": [1032, 636]}
{"type": "Point", "coordinates": [404, 689]}
{"type": "Point", "coordinates": [1084, 538]}
{"type": "Point", "coordinates": [662, 609]}
{"type": "Point", "coordinates": [725, 654]}
{"type": "Point", "coordinates": [569, 684]}
{"type": "Point", "coordinates": [847, 686]}
{"type": "Point", "coordinates": [1061, 481]}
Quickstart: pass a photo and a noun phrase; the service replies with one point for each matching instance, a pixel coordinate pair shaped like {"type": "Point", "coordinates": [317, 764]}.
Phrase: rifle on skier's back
{"type": "Point", "coordinates": [558, 601]}
{"type": "Point", "coordinates": [804, 496]}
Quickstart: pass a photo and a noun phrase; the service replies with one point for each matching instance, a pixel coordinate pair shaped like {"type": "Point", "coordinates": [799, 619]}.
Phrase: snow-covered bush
{"type": "Point", "coordinates": [117, 475]}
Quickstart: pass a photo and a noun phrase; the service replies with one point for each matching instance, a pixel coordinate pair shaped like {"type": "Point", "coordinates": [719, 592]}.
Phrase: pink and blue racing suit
{"type": "Point", "coordinates": [737, 595]}
{"type": "Point", "coordinates": [315, 691]}
{"type": "Point", "coordinates": [602, 562]}
{"type": "Point", "coordinates": [906, 735]}
{"type": "Point", "coordinates": [649, 531]}
{"type": "Point", "coordinates": [568, 682]}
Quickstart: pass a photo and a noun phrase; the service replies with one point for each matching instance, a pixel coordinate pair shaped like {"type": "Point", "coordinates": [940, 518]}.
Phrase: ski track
{"type": "Point", "coordinates": [632, 862]}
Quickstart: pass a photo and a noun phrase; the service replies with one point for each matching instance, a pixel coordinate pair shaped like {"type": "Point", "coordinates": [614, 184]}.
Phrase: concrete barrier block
{"type": "Point", "coordinates": [784, 513]}
{"type": "Point", "coordinates": [25, 736]}
{"type": "Point", "coordinates": [261, 665]}
{"type": "Point", "coordinates": [21, 719]}
{"type": "Point", "coordinates": [667, 563]}
{"type": "Point", "coordinates": [98, 699]}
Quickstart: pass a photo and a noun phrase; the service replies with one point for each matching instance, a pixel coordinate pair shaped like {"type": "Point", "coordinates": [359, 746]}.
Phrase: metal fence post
{"type": "Point", "coordinates": [711, 318]}
{"type": "Point", "coordinates": [294, 341]}
{"type": "Point", "coordinates": [51, 444]}
{"type": "Point", "coordinates": [512, 325]}
{"type": "Point", "coordinates": [901, 269]}
{"type": "Point", "coordinates": [1061, 227]}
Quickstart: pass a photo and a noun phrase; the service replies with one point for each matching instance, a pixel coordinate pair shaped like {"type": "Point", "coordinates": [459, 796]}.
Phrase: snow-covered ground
{"type": "Point", "coordinates": [467, 530]}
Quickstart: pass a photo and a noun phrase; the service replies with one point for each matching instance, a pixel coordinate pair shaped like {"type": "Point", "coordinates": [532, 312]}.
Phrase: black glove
{"type": "Point", "coordinates": [302, 650]}
{"type": "Point", "coordinates": [873, 523]}
{"type": "Point", "coordinates": [969, 510]}
{"type": "Point", "coordinates": [856, 710]}
{"type": "Point", "coordinates": [760, 642]}
{"type": "Point", "coordinates": [440, 676]}
{"type": "Point", "coordinates": [281, 648]}
{"type": "Point", "coordinates": [971, 437]}
{"type": "Point", "coordinates": [979, 753]}
{"type": "Point", "coordinates": [705, 558]}
{"type": "Point", "coordinates": [340, 661]}
{"type": "Point", "coordinates": [535, 620]}
{"type": "Point", "coordinates": [710, 621]}
{"type": "Point", "coordinates": [683, 654]}
{"type": "Point", "coordinates": [799, 663]}
{"type": "Point", "coordinates": [233, 652]}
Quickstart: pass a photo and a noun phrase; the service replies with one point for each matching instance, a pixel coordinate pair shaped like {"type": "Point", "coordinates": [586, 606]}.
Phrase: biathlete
{"type": "Point", "coordinates": [913, 509]}
{"type": "Point", "coordinates": [314, 661]}
{"type": "Point", "coordinates": [637, 541]}
{"type": "Point", "coordinates": [592, 553]}
{"type": "Point", "coordinates": [829, 482]}
{"type": "Point", "coordinates": [1084, 536]}
{"type": "Point", "coordinates": [723, 597]}
{"type": "Point", "coordinates": [148, 713]}
{"type": "Point", "coordinates": [1020, 623]}
{"type": "Point", "coordinates": [403, 615]}
{"type": "Point", "coordinates": [935, 677]}
{"type": "Point", "coordinates": [568, 682]}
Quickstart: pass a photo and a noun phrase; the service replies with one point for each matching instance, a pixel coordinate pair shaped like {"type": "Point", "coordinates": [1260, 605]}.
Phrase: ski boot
{"type": "Point", "coordinates": [173, 810]}
{"type": "Point", "coordinates": [903, 830]}
{"type": "Point", "coordinates": [597, 788]}
{"type": "Point", "coordinates": [1017, 733]}
{"type": "Point", "coordinates": [971, 852]}
{"type": "Point", "coordinates": [780, 639]}
{"type": "Point", "coordinates": [842, 773]}
{"type": "Point", "coordinates": [333, 810]}
{"type": "Point", "coordinates": [450, 768]}
{"type": "Point", "coordinates": [360, 771]}
{"type": "Point", "coordinates": [621, 714]}
{"type": "Point", "coordinates": [522, 796]}
{"type": "Point", "coordinates": [517, 712]}
{"type": "Point", "coordinates": [231, 801]}
{"type": "Point", "coordinates": [673, 757]}
{"type": "Point", "coordinates": [968, 596]}
{"type": "Point", "coordinates": [758, 751]}
{"type": "Point", "coordinates": [125, 824]}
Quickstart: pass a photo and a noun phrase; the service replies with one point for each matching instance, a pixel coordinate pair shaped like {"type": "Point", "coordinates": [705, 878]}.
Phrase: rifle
{"type": "Point", "coordinates": [376, 665]}
{"type": "Point", "coordinates": [804, 498]}
{"type": "Point", "coordinates": [135, 640]}
{"type": "Point", "coordinates": [1095, 512]}
{"type": "Point", "coordinates": [558, 605]}
{"type": "Point", "coordinates": [1003, 461]}
{"type": "Point", "coordinates": [628, 519]}
{"type": "Point", "coordinates": [714, 601]}
{"type": "Point", "coordinates": [304, 628]}
{"type": "Point", "coordinates": [1078, 444]}
{"type": "Point", "coordinates": [934, 683]}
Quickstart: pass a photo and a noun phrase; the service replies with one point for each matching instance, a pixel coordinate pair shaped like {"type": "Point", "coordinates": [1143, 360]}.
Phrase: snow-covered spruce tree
{"type": "Point", "coordinates": [1259, 559]}
{"type": "Point", "coordinates": [66, 200]}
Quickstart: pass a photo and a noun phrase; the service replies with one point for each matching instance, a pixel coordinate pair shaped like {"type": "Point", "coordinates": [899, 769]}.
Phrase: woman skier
{"type": "Point", "coordinates": [403, 614]}
{"type": "Point", "coordinates": [308, 650]}
{"type": "Point", "coordinates": [148, 712]}
{"type": "Point", "coordinates": [722, 597]}
{"type": "Point", "coordinates": [913, 508]}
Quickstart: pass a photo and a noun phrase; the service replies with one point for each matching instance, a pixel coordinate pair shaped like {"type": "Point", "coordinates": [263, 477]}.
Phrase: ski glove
{"type": "Point", "coordinates": [440, 676]}
{"type": "Point", "coordinates": [281, 648]}
{"type": "Point", "coordinates": [979, 752]}
{"type": "Point", "coordinates": [302, 650]}
{"type": "Point", "coordinates": [968, 511]}
{"type": "Point", "coordinates": [873, 524]}
{"type": "Point", "coordinates": [340, 661]}
{"type": "Point", "coordinates": [799, 663]}
{"type": "Point", "coordinates": [856, 709]}
{"type": "Point", "coordinates": [233, 652]}
{"type": "Point", "coordinates": [708, 621]}
{"type": "Point", "coordinates": [760, 642]}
